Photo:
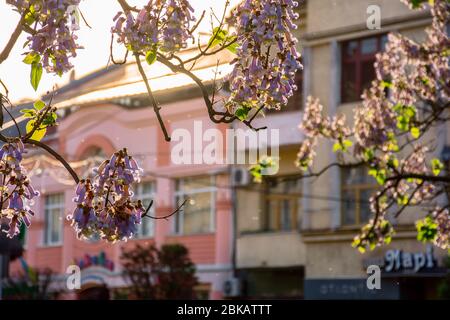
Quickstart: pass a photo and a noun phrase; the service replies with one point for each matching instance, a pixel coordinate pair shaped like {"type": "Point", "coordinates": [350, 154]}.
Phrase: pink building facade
{"type": "Point", "coordinates": [108, 111]}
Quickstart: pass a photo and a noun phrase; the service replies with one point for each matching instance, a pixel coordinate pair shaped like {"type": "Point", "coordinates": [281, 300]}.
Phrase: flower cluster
{"type": "Point", "coordinates": [316, 125]}
{"type": "Point", "coordinates": [307, 153]}
{"type": "Point", "coordinates": [441, 217]}
{"type": "Point", "coordinates": [163, 25]}
{"type": "Point", "coordinates": [17, 193]}
{"type": "Point", "coordinates": [375, 233]}
{"type": "Point", "coordinates": [53, 39]}
{"type": "Point", "coordinates": [372, 128]}
{"type": "Point", "coordinates": [264, 72]}
{"type": "Point", "coordinates": [105, 204]}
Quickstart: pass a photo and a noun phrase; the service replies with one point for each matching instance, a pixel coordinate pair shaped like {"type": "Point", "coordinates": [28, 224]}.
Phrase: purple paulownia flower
{"type": "Point", "coordinates": [105, 204]}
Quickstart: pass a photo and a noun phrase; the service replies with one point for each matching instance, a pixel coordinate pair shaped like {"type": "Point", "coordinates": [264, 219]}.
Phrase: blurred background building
{"type": "Point", "coordinates": [285, 238]}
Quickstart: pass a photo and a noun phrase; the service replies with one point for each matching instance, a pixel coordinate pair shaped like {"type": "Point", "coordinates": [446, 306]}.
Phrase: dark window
{"type": "Point", "coordinates": [358, 57]}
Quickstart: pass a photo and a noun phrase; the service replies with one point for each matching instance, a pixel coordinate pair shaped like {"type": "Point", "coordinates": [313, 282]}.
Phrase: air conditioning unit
{"type": "Point", "coordinates": [232, 287]}
{"type": "Point", "coordinates": [240, 176]}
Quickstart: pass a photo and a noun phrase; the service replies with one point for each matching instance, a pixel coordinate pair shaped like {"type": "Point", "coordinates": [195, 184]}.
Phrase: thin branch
{"type": "Point", "coordinates": [334, 164]}
{"type": "Point", "coordinates": [153, 101]}
{"type": "Point", "coordinates": [84, 19]}
{"type": "Point", "coordinates": [111, 55]}
{"type": "Point", "coordinates": [13, 39]}
{"type": "Point", "coordinates": [57, 157]}
{"type": "Point", "coordinates": [226, 116]}
{"type": "Point", "coordinates": [13, 119]}
{"type": "Point", "coordinates": [126, 7]}
{"type": "Point", "coordinates": [425, 177]}
{"type": "Point", "coordinates": [198, 23]}
{"type": "Point", "coordinates": [399, 212]}
{"type": "Point", "coordinates": [4, 87]}
{"type": "Point", "coordinates": [167, 216]}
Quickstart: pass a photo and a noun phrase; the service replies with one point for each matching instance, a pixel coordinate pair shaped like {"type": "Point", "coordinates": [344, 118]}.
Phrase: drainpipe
{"type": "Point", "coordinates": [234, 231]}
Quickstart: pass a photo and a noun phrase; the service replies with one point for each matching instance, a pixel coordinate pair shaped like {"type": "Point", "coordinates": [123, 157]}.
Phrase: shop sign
{"type": "Point", "coordinates": [398, 260]}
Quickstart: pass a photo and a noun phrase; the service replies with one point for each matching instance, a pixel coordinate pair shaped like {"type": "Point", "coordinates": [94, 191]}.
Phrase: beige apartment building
{"type": "Point", "coordinates": [294, 235]}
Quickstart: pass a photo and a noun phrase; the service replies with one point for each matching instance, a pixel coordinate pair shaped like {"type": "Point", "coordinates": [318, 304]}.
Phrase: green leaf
{"type": "Point", "coordinates": [369, 154]}
{"type": "Point", "coordinates": [426, 229]}
{"type": "Point", "coordinates": [150, 57]}
{"type": "Point", "coordinates": [415, 132]}
{"type": "Point", "coordinates": [347, 144]}
{"type": "Point", "coordinates": [403, 123]}
{"type": "Point", "coordinates": [436, 166]}
{"type": "Point", "coordinates": [234, 46]}
{"type": "Point", "coordinates": [386, 84]}
{"type": "Point", "coordinates": [242, 112]}
{"type": "Point", "coordinates": [36, 75]}
{"type": "Point", "coordinates": [337, 147]}
{"type": "Point", "coordinates": [29, 17]}
{"type": "Point", "coordinates": [409, 112]}
{"type": "Point", "coordinates": [39, 133]}
{"type": "Point", "coordinates": [50, 119]}
{"type": "Point", "coordinates": [28, 113]}
{"type": "Point", "coordinates": [39, 105]}
{"type": "Point", "coordinates": [31, 58]}
{"type": "Point", "coordinates": [373, 172]}
{"type": "Point", "coordinates": [416, 4]}
{"type": "Point", "coordinates": [381, 177]}
{"type": "Point", "coordinates": [218, 37]}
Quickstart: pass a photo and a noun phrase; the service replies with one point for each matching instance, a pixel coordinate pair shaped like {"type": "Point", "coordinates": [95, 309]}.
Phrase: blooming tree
{"type": "Point", "coordinates": [263, 77]}
{"type": "Point", "coordinates": [390, 133]}
{"type": "Point", "coordinates": [168, 272]}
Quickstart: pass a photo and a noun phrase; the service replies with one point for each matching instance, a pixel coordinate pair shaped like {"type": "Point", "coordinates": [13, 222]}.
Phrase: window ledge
{"type": "Point", "coordinates": [268, 232]}
{"type": "Point", "coordinates": [350, 104]}
{"type": "Point", "coordinates": [144, 238]}
{"type": "Point", "coordinates": [176, 235]}
{"type": "Point", "coordinates": [348, 233]}
{"type": "Point", "coordinates": [52, 245]}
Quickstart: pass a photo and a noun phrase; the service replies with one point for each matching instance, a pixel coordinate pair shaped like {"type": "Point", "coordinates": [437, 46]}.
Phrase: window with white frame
{"type": "Point", "coordinates": [198, 213]}
{"type": "Point", "coordinates": [54, 212]}
{"type": "Point", "coordinates": [146, 192]}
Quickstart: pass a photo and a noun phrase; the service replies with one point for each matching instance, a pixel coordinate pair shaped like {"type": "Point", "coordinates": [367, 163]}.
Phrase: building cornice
{"type": "Point", "coordinates": [410, 21]}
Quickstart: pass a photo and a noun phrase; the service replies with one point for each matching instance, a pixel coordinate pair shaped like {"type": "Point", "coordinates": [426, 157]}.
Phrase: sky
{"type": "Point", "coordinates": [96, 41]}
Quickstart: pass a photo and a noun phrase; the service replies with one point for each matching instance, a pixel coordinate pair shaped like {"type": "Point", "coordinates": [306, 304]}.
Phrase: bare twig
{"type": "Point", "coordinates": [57, 157]}
{"type": "Point", "coordinates": [13, 39]}
{"type": "Point", "coordinates": [167, 216]}
{"type": "Point", "coordinates": [111, 55]}
{"type": "Point", "coordinates": [153, 101]}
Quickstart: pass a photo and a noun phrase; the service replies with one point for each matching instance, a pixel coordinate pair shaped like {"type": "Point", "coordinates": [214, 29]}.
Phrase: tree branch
{"type": "Point", "coordinates": [13, 39]}
{"type": "Point", "coordinates": [57, 157]}
{"type": "Point", "coordinates": [145, 215]}
{"type": "Point", "coordinates": [153, 101]}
